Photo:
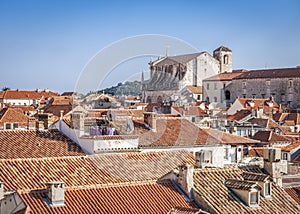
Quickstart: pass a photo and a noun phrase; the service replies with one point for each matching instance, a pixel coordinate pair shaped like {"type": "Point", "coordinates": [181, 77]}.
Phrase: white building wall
{"type": "Point", "coordinates": [218, 152]}
{"type": "Point", "coordinates": [22, 102]}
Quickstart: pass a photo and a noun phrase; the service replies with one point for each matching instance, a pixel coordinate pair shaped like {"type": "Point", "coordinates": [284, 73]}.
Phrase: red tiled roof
{"type": "Point", "coordinates": [135, 198]}
{"type": "Point", "coordinates": [136, 114]}
{"type": "Point", "coordinates": [258, 103]}
{"type": "Point", "coordinates": [294, 192]}
{"type": "Point", "coordinates": [209, 187]}
{"type": "Point", "coordinates": [239, 115]}
{"type": "Point", "coordinates": [177, 131]}
{"type": "Point", "coordinates": [33, 173]}
{"type": "Point", "coordinates": [195, 111]}
{"type": "Point", "coordinates": [23, 94]}
{"type": "Point", "coordinates": [61, 100]}
{"type": "Point", "coordinates": [55, 109]}
{"type": "Point", "coordinates": [269, 136]}
{"type": "Point", "coordinates": [24, 109]}
{"type": "Point", "coordinates": [291, 146]}
{"type": "Point", "coordinates": [256, 152]}
{"type": "Point", "coordinates": [270, 73]}
{"type": "Point", "coordinates": [179, 210]}
{"type": "Point", "coordinates": [12, 115]}
{"type": "Point", "coordinates": [195, 89]}
{"type": "Point", "coordinates": [223, 76]}
{"type": "Point", "coordinates": [69, 93]}
{"type": "Point", "coordinates": [36, 144]}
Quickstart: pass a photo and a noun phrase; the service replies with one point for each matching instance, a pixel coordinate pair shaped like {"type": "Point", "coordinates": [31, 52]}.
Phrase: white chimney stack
{"type": "Point", "coordinates": [61, 114]}
{"type": "Point", "coordinates": [56, 193]}
{"type": "Point", "coordinates": [1, 190]}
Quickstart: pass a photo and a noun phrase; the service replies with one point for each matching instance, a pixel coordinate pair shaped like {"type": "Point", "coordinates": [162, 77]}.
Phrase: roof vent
{"type": "Point", "coordinates": [56, 193]}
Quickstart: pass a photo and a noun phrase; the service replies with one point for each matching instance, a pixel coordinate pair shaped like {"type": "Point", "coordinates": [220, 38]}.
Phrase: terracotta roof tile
{"type": "Point", "coordinates": [223, 76]}
{"type": "Point", "coordinates": [209, 186]}
{"type": "Point", "coordinates": [195, 89]}
{"type": "Point", "coordinates": [55, 109]}
{"type": "Point", "coordinates": [239, 115]}
{"type": "Point", "coordinates": [195, 111]}
{"type": "Point", "coordinates": [90, 170]}
{"type": "Point", "coordinates": [294, 192]}
{"type": "Point", "coordinates": [239, 184]}
{"type": "Point", "coordinates": [178, 131]}
{"type": "Point", "coordinates": [251, 176]}
{"type": "Point", "coordinates": [180, 210]}
{"type": "Point", "coordinates": [23, 94]}
{"type": "Point", "coordinates": [270, 73]}
{"type": "Point", "coordinates": [135, 198]}
{"type": "Point", "coordinates": [36, 144]}
{"type": "Point", "coordinates": [256, 152]}
{"type": "Point", "coordinates": [291, 146]}
{"type": "Point", "coordinates": [11, 115]}
{"type": "Point", "coordinates": [269, 136]}
{"type": "Point", "coordinates": [258, 103]}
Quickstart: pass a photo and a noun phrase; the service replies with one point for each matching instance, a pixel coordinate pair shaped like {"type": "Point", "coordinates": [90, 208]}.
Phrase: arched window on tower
{"type": "Point", "coordinates": [225, 59]}
{"type": "Point", "coordinates": [227, 95]}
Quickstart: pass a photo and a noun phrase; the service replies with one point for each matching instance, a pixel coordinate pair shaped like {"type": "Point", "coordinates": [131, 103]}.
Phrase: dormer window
{"type": "Point", "coordinates": [253, 198]}
{"type": "Point", "coordinates": [248, 192]}
{"type": "Point", "coordinates": [267, 189]}
{"type": "Point", "coordinates": [262, 180]}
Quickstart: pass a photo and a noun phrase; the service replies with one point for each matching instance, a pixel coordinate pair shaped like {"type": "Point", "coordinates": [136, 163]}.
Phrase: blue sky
{"type": "Point", "coordinates": [46, 44]}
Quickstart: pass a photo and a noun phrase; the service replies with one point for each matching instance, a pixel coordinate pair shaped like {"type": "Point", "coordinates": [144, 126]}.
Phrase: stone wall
{"type": "Point", "coordinates": [284, 90]}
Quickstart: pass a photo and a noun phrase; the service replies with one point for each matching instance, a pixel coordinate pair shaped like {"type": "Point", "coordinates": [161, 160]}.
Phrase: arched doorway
{"type": "Point", "coordinates": [227, 95]}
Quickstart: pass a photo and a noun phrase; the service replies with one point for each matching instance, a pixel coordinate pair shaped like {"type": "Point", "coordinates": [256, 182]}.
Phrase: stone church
{"type": "Point", "coordinates": [170, 75]}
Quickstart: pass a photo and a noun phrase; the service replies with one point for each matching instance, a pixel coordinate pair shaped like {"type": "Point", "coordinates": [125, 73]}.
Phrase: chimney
{"type": "Point", "coordinates": [274, 165]}
{"type": "Point", "coordinates": [1, 190]}
{"type": "Point", "coordinates": [61, 114]}
{"type": "Point", "coordinates": [40, 125]}
{"type": "Point", "coordinates": [150, 119]}
{"type": "Point", "coordinates": [46, 118]}
{"type": "Point", "coordinates": [185, 179]}
{"type": "Point", "coordinates": [78, 121]}
{"type": "Point", "coordinates": [31, 123]}
{"type": "Point", "coordinates": [56, 193]}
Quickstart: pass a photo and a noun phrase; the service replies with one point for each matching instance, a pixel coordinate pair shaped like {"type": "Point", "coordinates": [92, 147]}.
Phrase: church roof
{"type": "Point", "coordinates": [176, 59]}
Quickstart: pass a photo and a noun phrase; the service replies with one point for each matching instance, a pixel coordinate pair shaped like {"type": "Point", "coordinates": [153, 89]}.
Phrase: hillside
{"type": "Point", "coordinates": [127, 88]}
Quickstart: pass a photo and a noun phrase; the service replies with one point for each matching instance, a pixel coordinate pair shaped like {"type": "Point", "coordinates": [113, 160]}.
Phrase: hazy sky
{"type": "Point", "coordinates": [46, 44]}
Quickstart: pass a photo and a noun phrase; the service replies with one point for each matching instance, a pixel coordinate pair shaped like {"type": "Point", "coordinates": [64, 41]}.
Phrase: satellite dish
{"type": "Point", "coordinates": [251, 103]}
{"type": "Point", "coordinates": [270, 104]}
{"type": "Point", "coordinates": [202, 106]}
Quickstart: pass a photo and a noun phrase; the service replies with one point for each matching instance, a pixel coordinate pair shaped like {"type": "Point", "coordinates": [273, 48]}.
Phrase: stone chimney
{"type": "Point", "coordinates": [274, 165]}
{"type": "Point", "coordinates": [40, 125]}
{"type": "Point", "coordinates": [78, 121]}
{"type": "Point", "coordinates": [31, 123]}
{"type": "Point", "coordinates": [185, 179]}
{"type": "Point", "coordinates": [56, 193]}
{"type": "Point", "coordinates": [1, 190]}
{"type": "Point", "coordinates": [46, 118]}
{"type": "Point", "coordinates": [150, 119]}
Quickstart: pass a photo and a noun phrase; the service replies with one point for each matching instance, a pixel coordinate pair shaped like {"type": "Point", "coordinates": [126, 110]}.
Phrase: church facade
{"type": "Point", "coordinates": [171, 74]}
